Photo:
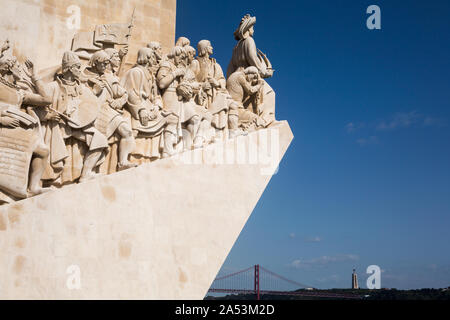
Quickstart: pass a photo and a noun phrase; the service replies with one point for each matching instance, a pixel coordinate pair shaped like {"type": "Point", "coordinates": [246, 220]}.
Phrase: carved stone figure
{"type": "Point", "coordinates": [244, 86]}
{"type": "Point", "coordinates": [115, 60]}
{"type": "Point", "coordinates": [23, 154]}
{"type": "Point", "coordinates": [155, 46]}
{"type": "Point", "coordinates": [145, 106]}
{"type": "Point", "coordinates": [86, 121]}
{"type": "Point", "coordinates": [190, 55]}
{"type": "Point", "coordinates": [245, 54]}
{"type": "Point", "coordinates": [112, 96]}
{"type": "Point", "coordinates": [219, 103]}
{"type": "Point", "coordinates": [182, 42]}
{"type": "Point", "coordinates": [4, 47]}
{"type": "Point", "coordinates": [178, 103]}
{"type": "Point", "coordinates": [70, 119]}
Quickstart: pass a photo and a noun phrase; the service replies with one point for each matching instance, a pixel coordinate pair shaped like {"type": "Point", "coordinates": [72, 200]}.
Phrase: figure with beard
{"type": "Point", "coordinates": [145, 106]}
{"type": "Point", "coordinates": [23, 154]}
{"type": "Point", "coordinates": [181, 112]}
{"type": "Point", "coordinates": [70, 132]}
{"type": "Point", "coordinates": [222, 107]}
{"type": "Point", "coordinates": [112, 96]}
{"type": "Point", "coordinates": [155, 46]}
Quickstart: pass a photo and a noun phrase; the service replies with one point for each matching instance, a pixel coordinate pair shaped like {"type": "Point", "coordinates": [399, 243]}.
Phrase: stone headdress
{"type": "Point", "coordinates": [69, 59]}
{"type": "Point", "coordinates": [246, 23]}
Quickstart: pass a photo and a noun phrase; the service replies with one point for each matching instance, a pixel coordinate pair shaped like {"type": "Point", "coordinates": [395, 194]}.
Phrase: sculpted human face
{"type": "Point", "coordinates": [251, 31]}
{"type": "Point", "coordinates": [115, 60]}
{"type": "Point", "coordinates": [101, 66]}
{"type": "Point", "coordinates": [252, 78]}
{"type": "Point", "coordinates": [76, 70]}
{"type": "Point", "coordinates": [190, 57]}
{"type": "Point", "coordinates": [179, 59]}
{"type": "Point", "coordinates": [152, 60]}
{"type": "Point", "coordinates": [158, 53]}
{"type": "Point", "coordinates": [210, 49]}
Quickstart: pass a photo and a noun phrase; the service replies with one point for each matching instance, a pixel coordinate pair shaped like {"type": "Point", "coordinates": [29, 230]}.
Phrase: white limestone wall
{"type": "Point", "coordinates": [159, 231]}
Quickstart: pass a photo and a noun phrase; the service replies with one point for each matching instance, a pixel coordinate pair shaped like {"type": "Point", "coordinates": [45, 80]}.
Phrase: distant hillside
{"type": "Point", "coordinates": [364, 294]}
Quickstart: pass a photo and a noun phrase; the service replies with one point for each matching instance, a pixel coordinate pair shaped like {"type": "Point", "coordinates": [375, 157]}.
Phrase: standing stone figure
{"type": "Point", "coordinates": [245, 54]}
{"type": "Point", "coordinates": [112, 97]}
{"type": "Point", "coordinates": [75, 109]}
{"type": "Point", "coordinates": [222, 107]}
{"type": "Point", "coordinates": [178, 103]}
{"type": "Point", "coordinates": [190, 55]}
{"type": "Point", "coordinates": [23, 154]}
{"type": "Point", "coordinates": [155, 46]}
{"type": "Point", "coordinates": [145, 106]}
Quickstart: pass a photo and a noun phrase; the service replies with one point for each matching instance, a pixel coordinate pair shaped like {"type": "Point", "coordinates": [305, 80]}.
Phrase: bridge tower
{"type": "Point", "coordinates": [257, 281]}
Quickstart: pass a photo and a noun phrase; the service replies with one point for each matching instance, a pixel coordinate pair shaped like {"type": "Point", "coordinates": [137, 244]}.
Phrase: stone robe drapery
{"type": "Point", "coordinates": [218, 99]}
{"type": "Point", "coordinates": [243, 93]}
{"type": "Point", "coordinates": [171, 102]}
{"type": "Point", "coordinates": [68, 142]}
{"type": "Point", "coordinates": [208, 68]}
{"type": "Point", "coordinates": [245, 54]}
{"type": "Point", "coordinates": [108, 119]}
{"type": "Point", "coordinates": [143, 93]}
{"type": "Point", "coordinates": [16, 144]}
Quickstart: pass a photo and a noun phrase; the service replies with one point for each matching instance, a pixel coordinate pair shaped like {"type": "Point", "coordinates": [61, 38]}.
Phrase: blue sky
{"type": "Point", "coordinates": [367, 177]}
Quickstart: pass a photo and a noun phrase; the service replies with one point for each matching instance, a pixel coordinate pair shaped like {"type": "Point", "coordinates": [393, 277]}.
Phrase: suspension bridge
{"type": "Point", "coordinates": [260, 281]}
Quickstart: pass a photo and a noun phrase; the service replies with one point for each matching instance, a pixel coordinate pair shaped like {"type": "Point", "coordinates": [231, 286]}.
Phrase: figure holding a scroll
{"type": "Point", "coordinates": [23, 154]}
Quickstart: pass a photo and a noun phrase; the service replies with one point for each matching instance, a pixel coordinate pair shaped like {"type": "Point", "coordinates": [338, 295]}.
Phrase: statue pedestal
{"type": "Point", "coordinates": [158, 231]}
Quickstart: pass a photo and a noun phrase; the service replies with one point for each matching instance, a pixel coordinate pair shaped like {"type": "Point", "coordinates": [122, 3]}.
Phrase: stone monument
{"type": "Point", "coordinates": [123, 179]}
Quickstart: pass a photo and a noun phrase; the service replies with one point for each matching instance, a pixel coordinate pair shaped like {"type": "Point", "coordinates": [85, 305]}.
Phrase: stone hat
{"type": "Point", "coordinates": [246, 23]}
{"type": "Point", "coordinates": [69, 59]}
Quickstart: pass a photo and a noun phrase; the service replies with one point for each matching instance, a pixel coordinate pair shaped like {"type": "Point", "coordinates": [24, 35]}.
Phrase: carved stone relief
{"type": "Point", "coordinates": [93, 118]}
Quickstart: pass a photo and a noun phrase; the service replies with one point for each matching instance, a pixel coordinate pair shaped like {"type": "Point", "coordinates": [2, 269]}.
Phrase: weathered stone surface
{"type": "Point", "coordinates": [39, 29]}
{"type": "Point", "coordinates": [158, 231]}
